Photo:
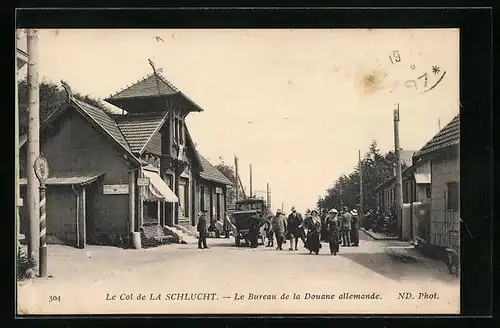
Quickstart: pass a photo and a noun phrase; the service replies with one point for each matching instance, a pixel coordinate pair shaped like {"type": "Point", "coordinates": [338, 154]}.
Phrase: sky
{"type": "Point", "coordinates": [296, 104]}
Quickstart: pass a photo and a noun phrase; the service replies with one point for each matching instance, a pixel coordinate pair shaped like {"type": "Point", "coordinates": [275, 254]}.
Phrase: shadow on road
{"type": "Point", "coordinates": [401, 268]}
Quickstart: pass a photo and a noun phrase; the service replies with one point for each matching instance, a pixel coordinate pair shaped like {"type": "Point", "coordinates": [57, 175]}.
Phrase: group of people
{"type": "Point", "coordinates": [338, 229]}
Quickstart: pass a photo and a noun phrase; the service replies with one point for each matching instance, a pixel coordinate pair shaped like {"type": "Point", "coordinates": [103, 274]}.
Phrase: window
{"type": "Point", "coordinates": [428, 192]}
{"type": "Point", "coordinates": [184, 197]}
{"type": "Point", "coordinates": [169, 181]}
{"type": "Point", "coordinates": [452, 196]}
{"type": "Point", "coordinates": [181, 132]}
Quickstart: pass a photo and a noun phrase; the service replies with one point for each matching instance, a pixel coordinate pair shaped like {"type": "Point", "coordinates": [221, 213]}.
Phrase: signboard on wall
{"type": "Point", "coordinates": [218, 190]}
{"type": "Point", "coordinates": [118, 189]}
{"type": "Point", "coordinates": [143, 182]}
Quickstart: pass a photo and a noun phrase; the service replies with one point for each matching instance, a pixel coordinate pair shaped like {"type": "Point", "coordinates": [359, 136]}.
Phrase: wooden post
{"type": "Point", "coordinates": [140, 205]}
{"type": "Point", "coordinates": [43, 230]}
{"type": "Point", "coordinates": [16, 152]}
{"type": "Point", "coordinates": [131, 202]}
{"type": "Point", "coordinates": [84, 216]}
{"type": "Point", "coordinates": [177, 205]}
{"type": "Point", "coordinates": [194, 201]}
{"type": "Point", "coordinates": [398, 186]}
{"type": "Point", "coordinates": [33, 141]}
{"type": "Point", "coordinates": [211, 189]}
{"type": "Point", "coordinates": [268, 198]}
{"type": "Point", "coordinates": [251, 189]}
{"type": "Point", "coordinates": [158, 212]}
{"type": "Point", "coordinates": [236, 179]}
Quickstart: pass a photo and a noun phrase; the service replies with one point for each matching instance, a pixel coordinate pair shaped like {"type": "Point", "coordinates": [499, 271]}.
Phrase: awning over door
{"type": "Point", "coordinates": [158, 189]}
{"type": "Point", "coordinates": [69, 178]}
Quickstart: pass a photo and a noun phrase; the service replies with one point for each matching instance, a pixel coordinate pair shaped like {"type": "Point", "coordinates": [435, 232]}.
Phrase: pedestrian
{"type": "Point", "coordinates": [202, 230]}
{"type": "Point", "coordinates": [313, 225]}
{"type": "Point", "coordinates": [333, 230]}
{"type": "Point", "coordinates": [355, 228]}
{"type": "Point", "coordinates": [211, 227]}
{"type": "Point", "coordinates": [227, 226]}
{"type": "Point", "coordinates": [294, 228]}
{"type": "Point", "coordinates": [254, 229]}
{"type": "Point", "coordinates": [346, 219]}
{"type": "Point", "coordinates": [323, 234]}
{"type": "Point", "coordinates": [279, 228]}
{"type": "Point", "coordinates": [269, 232]}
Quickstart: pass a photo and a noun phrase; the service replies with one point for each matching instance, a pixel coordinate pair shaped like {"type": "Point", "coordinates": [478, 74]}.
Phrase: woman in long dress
{"type": "Point", "coordinates": [333, 230]}
{"type": "Point", "coordinates": [313, 225]}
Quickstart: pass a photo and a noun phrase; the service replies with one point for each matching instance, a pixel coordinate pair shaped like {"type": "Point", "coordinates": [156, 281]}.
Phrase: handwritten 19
{"type": "Point", "coordinates": [396, 56]}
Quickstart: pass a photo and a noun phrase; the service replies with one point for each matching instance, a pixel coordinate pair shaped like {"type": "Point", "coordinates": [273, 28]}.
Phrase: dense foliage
{"type": "Point", "coordinates": [25, 265]}
{"type": "Point", "coordinates": [52, 97]}
{"type": "Point", "coordinates": [376, 168]}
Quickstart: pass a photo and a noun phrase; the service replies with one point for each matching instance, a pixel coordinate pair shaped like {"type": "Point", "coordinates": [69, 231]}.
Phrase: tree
{"type": "Point", "coordinates": [376, 168]}
{"type": "Point", "coordinates": [231, 175]}
{"type": "Point", "coordinates": [51, 98]}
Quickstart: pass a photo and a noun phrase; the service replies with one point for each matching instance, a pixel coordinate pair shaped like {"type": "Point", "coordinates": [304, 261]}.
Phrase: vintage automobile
{"type": "Point", "coordinates": [244, 210]}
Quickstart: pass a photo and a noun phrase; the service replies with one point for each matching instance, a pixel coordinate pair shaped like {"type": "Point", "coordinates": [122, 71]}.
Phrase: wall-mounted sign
{"type": "Point", "coordinates": [119, 189]}
{"type": "Point", "coordinates": [41, 167]}
{"type": "Point", "coordinates": [143, 182]}
{"type": "Point", "coordinates": [218, 190]}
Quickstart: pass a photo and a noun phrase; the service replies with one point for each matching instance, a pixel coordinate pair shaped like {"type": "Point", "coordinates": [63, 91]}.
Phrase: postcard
{"type": "Point", "coordinates": [238, 171]}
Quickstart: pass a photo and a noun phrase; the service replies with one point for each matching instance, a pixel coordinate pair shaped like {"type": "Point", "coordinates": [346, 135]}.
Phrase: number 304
{"type": "Point", "coordinates": [54, 299]}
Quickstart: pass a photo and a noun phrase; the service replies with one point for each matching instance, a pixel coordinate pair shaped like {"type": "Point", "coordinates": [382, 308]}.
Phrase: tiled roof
{"type": "Point", "coordinates": [139, 128]}
{"type": "Point", "coordinates": [209, 172]}
{"type": "Point", "coordinates": [448, 136]}
{"type": "Point", "coordinates": [152, 85]}
{"type": "Point", "coordinates": [104, 121]}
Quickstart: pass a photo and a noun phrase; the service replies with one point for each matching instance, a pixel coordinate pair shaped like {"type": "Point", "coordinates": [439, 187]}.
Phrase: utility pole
{"type": "Point", "coordinates": [251, 190]}
{"type": "Point", "coordinates": [282, 207]}
{"type": "Point", "coordinates": [237, 179]}
{"type": "Point", "coordinates": [341, 197]}
{"type": "Point", "coordinates": [16, 151]}
{"type": "Point", "coordinates": [268, 198]}
{"type": "Point", "coordinates": [33, 141]}
{"type": "Point", "coordinates": [361, 212]}
{"type": "Point", "coordinates": [399, 182]}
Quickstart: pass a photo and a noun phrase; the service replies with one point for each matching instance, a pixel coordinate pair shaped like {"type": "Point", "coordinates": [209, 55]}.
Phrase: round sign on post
{"type": "Point", "coordinates": [41, 167]}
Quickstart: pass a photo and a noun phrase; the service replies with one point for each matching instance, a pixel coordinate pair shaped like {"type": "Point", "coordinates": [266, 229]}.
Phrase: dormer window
{"type": "Point", "coordinates": [179, 131]}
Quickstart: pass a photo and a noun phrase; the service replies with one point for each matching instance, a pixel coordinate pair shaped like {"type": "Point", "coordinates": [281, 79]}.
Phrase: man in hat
{"type": "Point", "coordinates": [279, 227]}
{"type": "Point", "coordinates": [202, 230]}
{"type": "Point", "coordinates": [254, 229]}
{"type": "Point", "coordinates": [269, 231]}
{"type": "Point", "coordinates": [346, 219]}
{"type": "Point", "coordinates": [294, 228]}
{"type": "Point", "coordinates": [355, 228]}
